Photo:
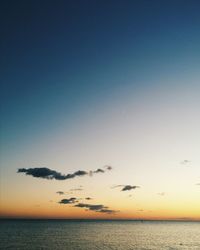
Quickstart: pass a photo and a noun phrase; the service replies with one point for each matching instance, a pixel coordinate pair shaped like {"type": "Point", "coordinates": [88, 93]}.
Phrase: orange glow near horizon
{"type": "Point", "coordinates": [53, 210]}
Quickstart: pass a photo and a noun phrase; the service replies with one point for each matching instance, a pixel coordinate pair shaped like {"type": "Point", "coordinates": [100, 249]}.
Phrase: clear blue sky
{"type": "Point", "coordinates": [60, 57]}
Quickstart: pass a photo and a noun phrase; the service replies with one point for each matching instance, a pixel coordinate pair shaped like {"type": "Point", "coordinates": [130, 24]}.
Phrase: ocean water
{"type": "Point", "coordinates": [97, 235]}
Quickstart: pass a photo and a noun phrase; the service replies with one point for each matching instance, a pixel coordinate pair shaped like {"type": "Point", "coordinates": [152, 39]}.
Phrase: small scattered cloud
{"type": "Point", "coordinates": [60, 192]}
{"type": "Point", "coordinates": [88, 198]}
{"type": "Point", "coordinates": [108, 167]}
{"type": "Point", "coordinates": [108, 211]}
{"type": "Point", "coordinates": [161, 194]}
{"type": "Point", "coordinates": [126, 187]}
{"type": "Point", "coordinates": [129, 187]}
{"type": "Point", "coordinates": [96, 208]}
{"type": "Point", "coordinates": [186, 163]}
{"type": "Point", "coordinates": [50, 174]}
{"type": "Point", "coordinates": [76, 189]}
{"type": "Point", "coordinates": [89, 206]}
{"type": "Point", "coordinates": [198, 184]}
{"type": "Point", "coordinates": [68, 201]}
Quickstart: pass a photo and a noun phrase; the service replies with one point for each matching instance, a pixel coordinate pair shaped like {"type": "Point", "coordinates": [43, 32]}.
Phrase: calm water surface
{"type": "Point", "coordinates": [97, 235]}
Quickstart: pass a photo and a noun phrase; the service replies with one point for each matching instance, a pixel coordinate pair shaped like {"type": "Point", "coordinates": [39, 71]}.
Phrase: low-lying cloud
{"type": "Point", "coordinates": [60, 192]}
{"type": "Point", "coordinates": [68, 201]}
{"type": "Point", "coordinates": [96, 208]}
{"type": "Point", "coordinates": [89, 207]}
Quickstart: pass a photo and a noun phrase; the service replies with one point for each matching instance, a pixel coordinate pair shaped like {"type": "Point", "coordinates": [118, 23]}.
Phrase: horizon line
{"type": "Point", "coordinates": [103, 219]}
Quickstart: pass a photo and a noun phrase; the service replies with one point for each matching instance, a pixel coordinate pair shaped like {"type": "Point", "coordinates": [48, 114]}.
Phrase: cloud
{"type": "Point", "coordinates": [126, 187]}
{"type": "Point", "coordinates": [60, 192]}
{"type": "Point", "coordinates": [162, 193]}
{"type": "Point", "coordinates": [80, 173]}
{"type": "Point", "coordinates": [107, 167]}
{"type": "Point", "coordinates": [129, 187]}
{"type": "Point", "coordinates": [90, 206]}
{"type": "Point", "coordinates": [76, 189]}
{"type": "Point", "coordinates": [108, 211]}
{"type": "Point", "coordinates": [96, 208]}
{"type": "Point", "coordinates": [198, 184]}
{"type": "Point", "coordinates": [185, 162]}
{"type": "Point", "coordinates": [50, 174]}
{"type": "Point", "coordinates": [68, 201]}
{"type": "Point", "coordinates": [99, 170]}
{"type": "Point", "coordinates": [88, 198]}
{"type": "Point", "coordinates": [47, 173]}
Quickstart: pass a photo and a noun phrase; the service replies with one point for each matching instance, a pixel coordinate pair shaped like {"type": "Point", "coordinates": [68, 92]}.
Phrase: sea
{"type": "Point", "coordinates": [98, 235]}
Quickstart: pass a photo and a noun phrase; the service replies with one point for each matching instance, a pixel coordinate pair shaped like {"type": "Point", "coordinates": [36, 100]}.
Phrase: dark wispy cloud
{"type": "Point", "coordinates": [126, 187]}
{"type": "Point", "coordinates": [99, 170]}
{"type": "Point", "coordinates": [198, 184]}
{"type": "Point", "coordinates": [129, 187]}
{"type": "Point", "coordinates": [50, 174]}
{"type": "Point", "coordinates": [80, 173]}
{"type": "Point", "coordinates": [96, 208]}
{"type": "Point", "coordinates": [68, 201]}
{"type": "Point", "coordinates": [108, 211]}
{"type": "Point", "coordinates": [60, 192]}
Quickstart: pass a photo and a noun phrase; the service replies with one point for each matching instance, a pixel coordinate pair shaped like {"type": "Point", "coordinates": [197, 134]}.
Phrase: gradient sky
{"type": "Point", "coordinates": [86, 84]}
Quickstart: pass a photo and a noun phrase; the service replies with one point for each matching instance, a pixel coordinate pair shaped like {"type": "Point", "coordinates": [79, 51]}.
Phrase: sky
{"type": "Point", "coordinates": [100, 109]}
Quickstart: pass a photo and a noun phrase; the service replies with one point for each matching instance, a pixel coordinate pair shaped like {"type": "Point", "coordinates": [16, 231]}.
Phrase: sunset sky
{"type": "Point", "coordinates": [105, 86]}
